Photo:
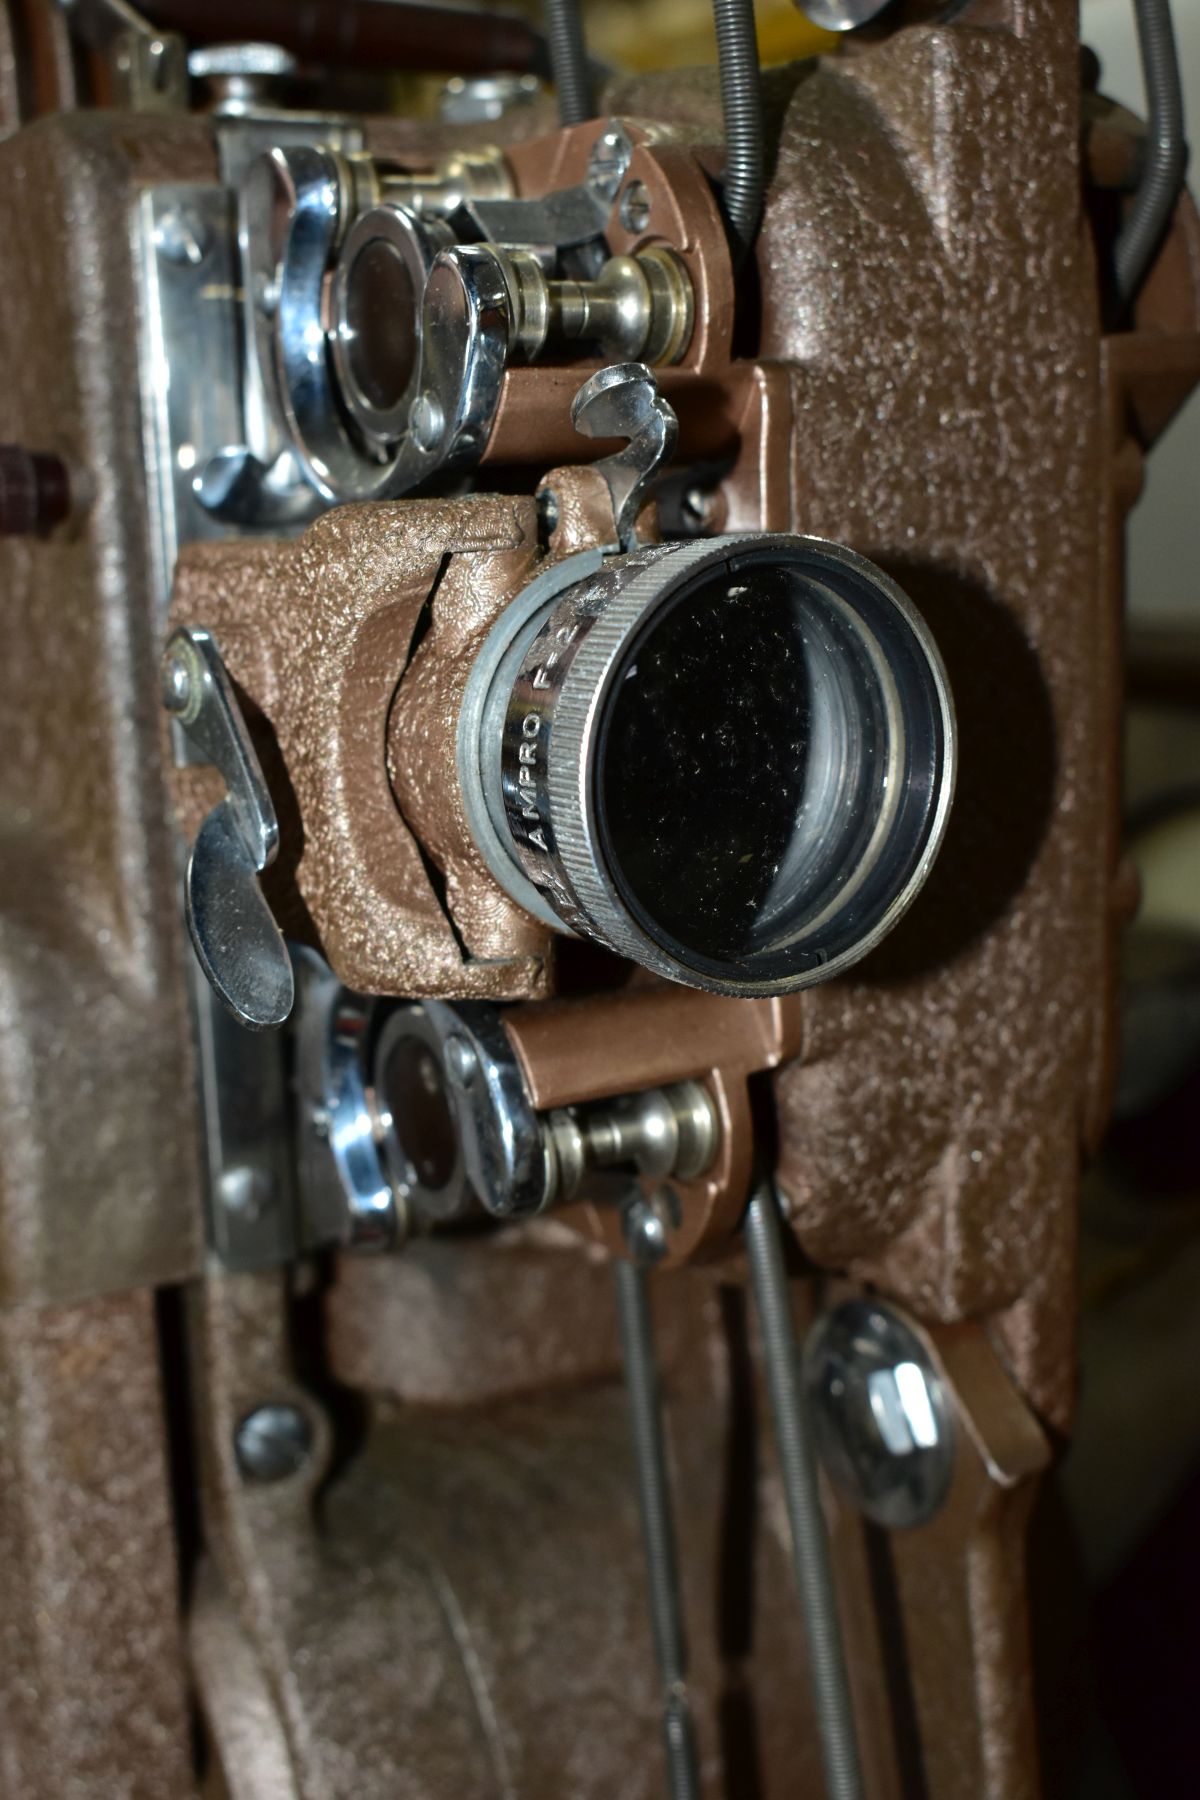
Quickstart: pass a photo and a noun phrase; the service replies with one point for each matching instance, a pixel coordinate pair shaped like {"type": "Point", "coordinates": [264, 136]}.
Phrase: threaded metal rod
{"type": "Point", "coordinates": [810, 1544]}
{"type": "Point", "coordinates": [1166, 147]}
{"type": "Point", "coordinates": [568, 60]}
{"type": "Point", "coordinates": [658, 1532]}
{"type": "Point", "coordinates": [741, 103]}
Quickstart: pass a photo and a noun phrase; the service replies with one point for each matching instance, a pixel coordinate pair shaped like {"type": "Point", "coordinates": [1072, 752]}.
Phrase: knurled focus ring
{"type": "Point", "coordinates": [559, 754]}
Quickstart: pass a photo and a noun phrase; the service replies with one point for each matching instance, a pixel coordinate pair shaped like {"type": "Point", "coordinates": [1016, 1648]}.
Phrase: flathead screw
{"type": "Point", "coordinates": [607, 165]}
{"type": "Point", "coordinates": [646, 1224]}
{"type": "Point", "coordinates": [181, 236]}
{"type": "Point", "coordinates": [699, 509]}
{"type": "Point", "coordinates": [427, 423]}
{"type": "Point", "coordinates": [176, 683]}
{"type": "Point", "coordinates": [246, 1192]}
{"type": "Point", "coordinates": [273, 1442]}
{"type": "Point", "coordinates": [635, 207]}
{"type": "Point", "coordinates": [461, 1060]}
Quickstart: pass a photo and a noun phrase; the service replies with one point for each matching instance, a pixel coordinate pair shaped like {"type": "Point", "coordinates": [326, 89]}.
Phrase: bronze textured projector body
{"type": "Point", "coordinates": [613, 665]}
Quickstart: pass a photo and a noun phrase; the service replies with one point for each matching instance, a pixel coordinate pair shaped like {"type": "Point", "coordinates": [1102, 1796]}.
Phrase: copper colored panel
{"type": "Point", "coordinates": [316, 634]}
{"type": "Point", "coordinates": [622, 1042]}
{"type": "Point", "coordinates": [422, 734]}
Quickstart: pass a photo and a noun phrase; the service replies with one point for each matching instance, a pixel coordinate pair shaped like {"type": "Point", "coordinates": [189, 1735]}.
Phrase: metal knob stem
{"type": "Point", "coordinates": [638, 307]}
{"type": "Point", "coordinates": [35, 491]}
{"type": "Point", "coordinates": [664, 1131]}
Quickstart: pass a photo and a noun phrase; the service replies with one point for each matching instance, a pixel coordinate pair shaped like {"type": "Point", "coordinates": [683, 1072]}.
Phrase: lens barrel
{"type": "Point", "coordinates": [731, 761]}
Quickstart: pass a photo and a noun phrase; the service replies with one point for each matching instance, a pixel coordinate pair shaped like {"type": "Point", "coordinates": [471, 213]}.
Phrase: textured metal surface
{"type": "Point", "coordinates": [91, 1674]}
{"type": "Point", "coordinates": [99, 1185]}
{"type": "Point", "coordinates": [405, 1328]}
{"type": "Point", "coordinates": [322, 670]}
{"type": "Point", "coordinates": [98, 1181]}
{"type": "Point", "coordinates": [463, 1613]}
{"type": "Point", "coordinates": [932, 1139]}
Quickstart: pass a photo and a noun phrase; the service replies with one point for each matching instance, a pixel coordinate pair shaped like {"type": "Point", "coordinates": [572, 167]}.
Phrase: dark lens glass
{"type": "Point", "coordinates": [745, 765]}
{"type": "Point", "coordinates": [380, 324]}
{"type": "Point", "coordinates": [412, 1094]}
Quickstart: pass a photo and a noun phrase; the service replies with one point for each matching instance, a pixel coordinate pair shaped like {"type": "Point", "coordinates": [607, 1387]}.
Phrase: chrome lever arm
{"type": "Point", "coordinates": [238, 943]}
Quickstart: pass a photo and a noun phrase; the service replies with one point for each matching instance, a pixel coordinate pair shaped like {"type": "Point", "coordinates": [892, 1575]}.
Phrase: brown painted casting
{"type": "Point", "coordinates": [448, 1599]}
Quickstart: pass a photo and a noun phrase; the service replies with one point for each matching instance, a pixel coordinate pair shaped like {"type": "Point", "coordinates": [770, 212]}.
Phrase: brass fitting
{"type": "Point", "coordinates": [462, 174]}
{"type": "Point", "coordinates": [639, 308]}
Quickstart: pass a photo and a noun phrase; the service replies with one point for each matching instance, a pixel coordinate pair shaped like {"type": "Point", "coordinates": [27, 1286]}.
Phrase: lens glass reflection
{"type": "Point", "coordinates": [749, 763]}
{"type": "Point", "coordinates": [379, 329]}
{"type": "Point", "coordinates": [411, 1094]}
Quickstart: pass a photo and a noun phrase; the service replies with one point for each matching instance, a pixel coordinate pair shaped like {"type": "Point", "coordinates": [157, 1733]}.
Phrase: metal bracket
{"type": "Point", "coordinates": [237, 941]}
{"type": "Point", "coordinates": [235, 487]}
{"type": "Point", "coordinates": [563, 219]}
{"type": "Point", "coordinates": [149, 66]}
{"type": "Point", "coordinates": [623, 401]}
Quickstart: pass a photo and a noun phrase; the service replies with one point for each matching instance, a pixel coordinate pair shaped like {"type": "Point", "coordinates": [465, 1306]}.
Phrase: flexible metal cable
{"type": "Point", "coordinates": [563, 25]}
{"type": "Point", "coordinates": [1166, 147]}
{"type": "Point", "coordinates": [741, 102]}
{"type": "Point", "coordinates": [658, 1531]}
{"type": "Point", "coordinates": [810, 1543]}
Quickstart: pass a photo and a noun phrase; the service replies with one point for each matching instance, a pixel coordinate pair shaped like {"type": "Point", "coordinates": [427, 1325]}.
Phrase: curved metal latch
{"type": "Point", "coordinates": [236, 487]}
{"type": "Point", "coordinates": [237, 941]}
{"type": "Point", "coordinates": [623, 401]}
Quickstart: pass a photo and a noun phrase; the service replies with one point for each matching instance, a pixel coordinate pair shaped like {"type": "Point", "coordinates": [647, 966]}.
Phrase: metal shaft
{"type": "Point", "coordinates": [658, 1531]}
{"type": "Point", "coordinates": [639, 307]}
{"type": "Point", "coordinates": [810, 1543]}
{"type": "Point", "coordinates": [563, 24]}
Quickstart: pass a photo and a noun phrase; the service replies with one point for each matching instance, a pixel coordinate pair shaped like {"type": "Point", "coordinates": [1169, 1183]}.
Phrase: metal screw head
{"type": "Point", "coordinates": [635, 207]}
{"type": "Point", "coordinates": [842, 15]}
{"type": "Point", "coordinates": [426, 422]}
{"type": "Point", "coordinates": [176, 682]}
{"type": "Point", "coordinates": [880, 1413]}
{"type": "Point", "coordinates": [461, 1060]}
{"type": "Point", "coordinates": [647, 1223]}
{"type": "Point", "coordinates": [266, 294]}
{"type": "Point", "coordinates": [608, 162]}
{"type": "Point", "coordinates": [214, 60]}
{"type": "Point", "coordinates": [273, 1442]}
{"type": "Point", "coordinates": [548, 511]}
{"type": "Point", "coordinates": [476, 99]}
{"type": "Point", "coordinates": [699, 508]}
{"type": "Point", "coordinates": [246, 1192]}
